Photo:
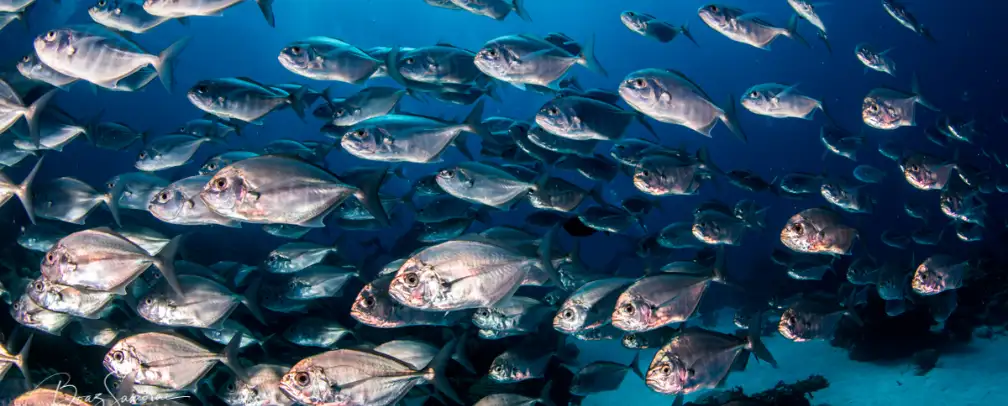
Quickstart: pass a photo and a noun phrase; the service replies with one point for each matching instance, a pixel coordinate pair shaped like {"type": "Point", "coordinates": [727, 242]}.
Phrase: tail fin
{"type": "Point", "coordinates": [438, 367]}
{"type": "Point", "coordinates": [297, 101]}
{"type": "Point", "coordinates": [230, 357]}
{"type": "Point", "coordinates": [24, 191]}
{"type": "Point", "coordinates": [165, 64]}
{"type": "Point", "coordinates": [915, 86]}
{"type": "Point", "coordinates": [473, 123]}
{"type": "Point", "coordinates": [635, 366]}
{"type": "Point", "coordinates": [588, 58]}
{"type": "Point", "coordinates": [250, 298]}
{"type": "Point", "coordinates": [730, 119]}
{"type": "Point", "coordinates": [519, 9]}
{"type": "Point", "coordinates": [822, 37]}
{"type": "Point", "coordinates": [111, 200]}
{"type": "Point", "coordinates": [367, 194]}
{"type": "Point", "coordinates": [756, 342]}
{"type": "Point", "coordinates": [684, 30]}
{"type": "Point", "coordinates": [165, 261]}
{"type": "Point", "coordinates": [546, 255]}
{"type": "Point", "coordinates": [266, 7]}
{"type": "Point", "coordinates": [21, 359]}
{"type": "Point", "coordinates": [792, 31]}
{"type": "Point", "coordinates": [34, 112]}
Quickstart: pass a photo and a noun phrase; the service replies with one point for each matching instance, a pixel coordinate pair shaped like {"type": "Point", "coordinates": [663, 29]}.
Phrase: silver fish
{"type": "Point", "coordinates": [180, 203]}
{"type": "Point", "coordinates": [591, 306]}
{"type": "Point", "coordinates": [319, 281]}
{"type": "Point", "coordinates": [216, 162]}
{"type": "Point", "coordinates": [369, 102]}
{"type": "Point", "coordinates": [780, 101]}
{"type": "Point", "coordinates": [889, 109]}
{"type": "Point", "coordinates": [529, 60]}
{"type": "Point", "coordinates": [295, 256]}
{"type": "Point", "coordinates": [67, 299]}
{"type": "Point", "coordinates": [29, 314]}
{"type": "Point", "coordinates": [818, 231]}
{"type": "Point", "coordinates": [206, 303]}
{"type": "Point", "coordinates": [484, 184]}
{"type": "Point", "coordinates": [324, 58]}
{"type": "Point", "coordinates": [187, 8]}
{"type": "Point", "coordinates": [650, 26]}
{"type": "Point", "coordinates": [406, 138]}
{"type": "Point", "coordinates": [135, 189]}
{"type": "Point", "coordinates": [12, 108]}
{"type": "Point", "coordinates": [101, 56]}
{"type": "Point", "coordinates": [939, 273]}
{"type": "Point", "coordinates": [100, 259]}
{"type": "Point", "coordinates": [262, 388]}
{"type": "Point", "coordinates": [671, 97]}
{"type": "Point", "coordinates": [375, 307]}
{"type": "Point", "coordinates": [876, 61]}
{"type": "Point", "coordinates": [71, 200]}
{"type": "Point", "coordinates": [124, 15]}
{"type": "Point", "coordinates": [316, 332]}
{"type": "Point", "coordinates": [282, 190]}
{"type": "Point", "coordinates": [495, 9]}
{"type": "Point", "coordinates": [243, 99]}
{"type": "Point", "coordinates": [167, 360]}
{"type": "Point", "coordinates": [670, 297]}
{"type": "Point", "coordinates": [746, 28]}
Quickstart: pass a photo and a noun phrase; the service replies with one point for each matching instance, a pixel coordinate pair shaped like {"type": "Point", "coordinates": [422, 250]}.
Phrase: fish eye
{"type": "Point", "coordinates": [666, 370]}
{"type": "Point", "coordinates": [143, 154]}
{"type": "Point", "coordinates": [296, 50]}
{"type": "Point", "coordinates": [340, 112]}
{"type": "Point", "coordinates": [497, 369]}
{"type": "Point", "coordinates": [50, 257]}
{"type": "Point", "coordinates": [148, 301]}
{"type": "Point", "coordinates": [627, 309]}
{"type": "Point", "coordinates": [27, 58]}
{"type": "Point", "coordinates": [39, 286]}
{"type": "Point", "coordinates": [411, 280]}
{"type": "Point", "coordinates": [798, 228]}
{"type": "Point", "coordinates": [645, 172]}
{"type": "Point", "coordinates": [212, 166]}
{"type": "Point", "coordinates": [639, 83]}
{"type": "Point", "coordinates": [201, 89]}
{"type": "Point", "coordinates": [51, 35]}
{"type": "Point", "coordinates": [447, 173]}
{"type": "Point", "coordinates": [17, 305]}
{"type": "Point", "coordinates": [483, 313]}
{"type": "Point", "coordinates": [302, 378]}
{"type": "Point", "coordinates": [360, 133]}
{"type": "Point", "coordinates": [567, 314]}
{"type": "Point", "coordinates": [101, 3]}
{"type": "Point", "coordinates": [873, 108]}
{"type": "Point", "coordinates": [368, 301]}
{"type": "Point", "coordinates": [410, 61]}
{"type": "Point", "coordinates": [163, 197]}
{"type": "Point", "coordinates": [118, 356]}
{"type": "Point", "coordinates": [914, 168]}
{"type": "Point", "coordinates": [553, 111]}
{"type": "Point", "coordinates": [220, 183]}
{"type": "Point", "coordinates": [231, 387]}
{"type": "Point", "coordinates": [714, 8]}
{"type": "Point", "coordinates": [110, 185]}
{"type": "Point", "coordinates": [630, 13]}
{"type": "Point", "coordinates": [754, 95]}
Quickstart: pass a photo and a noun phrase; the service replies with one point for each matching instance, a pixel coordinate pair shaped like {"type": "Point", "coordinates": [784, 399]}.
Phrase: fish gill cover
{"type": "Point", "coordinates": [501, 202]}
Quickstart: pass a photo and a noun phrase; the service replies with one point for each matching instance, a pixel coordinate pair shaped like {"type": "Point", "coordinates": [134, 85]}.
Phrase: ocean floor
{"type": "Point", "coordinates": [973, 375]}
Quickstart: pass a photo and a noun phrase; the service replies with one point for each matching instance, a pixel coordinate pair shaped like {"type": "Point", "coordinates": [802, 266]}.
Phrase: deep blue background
{"type": "Point", "coordinates": [961, 73]}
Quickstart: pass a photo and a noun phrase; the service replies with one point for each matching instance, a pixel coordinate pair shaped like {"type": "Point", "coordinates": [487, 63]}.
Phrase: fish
{"type": "Point", "coordinates": [495, 9]}
{"type": "Point", "coordinates": [466, 273]}
{"type": "Point", "coordinates": [319, 281]}
{"type": "Point", "coordinates": [670, 96]}
{"type": "Point", "coordinates": [807, 11]}
{"type": "Point", "coordinates": [874, 60]}
{"type": "Point", "coordinates": [192, 8]}
{"type": "Point", "coordinates": [23, 190]}
{"type": "Point", "coordinates": [13, 109]}
{"type": "Point", "coordinates": [586, 119]}
{"type": "Point", "coordinates": [69, 300]}
{"type": "Point", "coordinates": [927, 172]}
{"type": "Point", "coordinates": [481, 183]}
{"type": "Point", "coordinates": [362, 377]}
{"type": "Point", "coordinates": [847, 196]}
{"type": "Point", "coordinates": [899, 12]}
{"type": "Point", "coordinates": [698, 359]}
{"type": "Point", "coordinates": [32, 68]}
{"type": "Point", "coordinates": [747, 28]}
{"type": "Point", "coordinates": [243, 100]}
{"type": "Point", "coordinates": [603, 376]}
{"type": "Point", "coordinates": [672, 296]}
{"type": "Point", "coordinates": [939, 273]}
{"type": "Point", "coordinates": [650, 26]}
{"type": "Point", "coordinates": [296, 256]}
{"type": "Point", "coordinates": [100, 259]}
{"type": "Point", "coordinates": [780, 101]}
{"type": "Point", "coordinates": [889, 109]}
{"type": "Point", "coordinates": [662, 175]}
{"type": "Point", "coordinates": [316, 332]}
{"type": "Point", "coordinates": [167, 360]}
{"type": "Point", "coordinates": [406, 138]}
{"type": "Point", "coordinates": [818, 231]}
{"type": "Point", "coordinates": [369, 102]}
{"type": "Point", "coordinates": [124, 15]}
{"type": "Point", "coordinates": [114, 136]}
{"type": "Point", "coordinates": [590, 306]}
{"type": "Point", "coordinates": [86, 52]}
{"type": "Point", "coordinates": [869, 174]}
{"type": "Point", "coordinates": [168, 151]}
{"type": "Point", "coordinates": [71, 200]}
{"type": "Point", "coordinates": [179, 203]}
{"type": "Point", "coordinates": [206, 303]}
{"type": "Point", "coordinates": [810, 320]}
{"type": "Point", "coordinates": [324, 58]}
{"type": "Point", "coordinates": [522, 60]}
{"type": "Point", "coordinates": [40, 237]}
{"type": "Point", "coordinates": [374, 307]}
{"type": "Point", "coordinates": [517, 315]}
{"type": "Point", "coordinates": [262, 388]}
{"type": "Point", "coordinates": [216, 162]}
{"type": "Point", "coordinates": [29, 314]}
{"type": "Point", "coordinates": [272, 189]}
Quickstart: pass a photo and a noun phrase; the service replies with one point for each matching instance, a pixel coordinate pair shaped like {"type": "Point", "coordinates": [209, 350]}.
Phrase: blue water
{"type": "Point", "coordinates": [963, 73]}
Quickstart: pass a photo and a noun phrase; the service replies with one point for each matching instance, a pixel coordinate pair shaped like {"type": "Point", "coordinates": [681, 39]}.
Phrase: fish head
{"type": "Point", "coordinates": [59, 264]}
{"type": "Point", "coordinates": [225, 189]}
{"type": "Point", "coordinates": [876, 114]}
{"type": "Point", "coordinates": [798, 234]}
{"type": "Point", "coordinates": [43, 292]}
{"type": "Point", "coordinates": [21, 310]}
{"type": "Point", "coordinates": [212, 165]}
{"type": "Point", "coordinates": [236, 392]}
{"type": "Point", "coordinates": [920, 175]}
{"type": "Point", "coordinates": [371, 309]}
{"type": "Point", "coordinates": [417, 285]}
{"type": "Point", "coordinates": [29, 64]}
{"type": "Point", "coordinates": [104, 10]}
{"type": "Point", "coordinates": [495, 59]}
{"type": "Point", "coordinates": [759, 100]}
{"type": "Point", "coordinates": [794, 327]}
{"type": "Point", "coordinates": [154, 307]}
{"type": "Point", "coordinates": [298, 57]}
{"type": "Point", "coordinates": [633, 341]}
{"type": "Point", "coordinates": [365, 140]}
{"type": "Point", "coordinates": [148, 160]}
{"type": "Point", "coordinates": [866, 55]}
{"type": "Point", "coordinates": [503, 371]}
{"type": "Point", "coordinates": [162, 7]}
{"type": "Point", "coordinates": [650, 181]}
{"type": "Point", "coordinates": [345, 114]}
{"type": "Point", "coordinates": [454, 179]}
{"type": "Point", "coordinates": [636, 22]}
{"type": "Point", "coordinates": [667, 374]}
{"type": "Point", "coordinates": [640, 90]}
{"type": "Point", "coordinates": [950, 203]}
{"type": "Point", "coordinates": [487, 318]}
{"type": "Point", "coordinates": [929, 280]}
{"type": "Point", "coordinates": [571, 318]}
{"type": "Point", "coordinates": [558, 117]}
{"type": "Point", "coordinates": [206, 96]}
{"type": "Point", "coordinates": [420, 66]}
{"type": "Point", "coordinates": [307, 384]}
{"type": "Point", "coordinates": [168, 203]}
{"type": "Point", "coordinates": [633, 313]}
{"type": "Point", "coordinates": [708, 230]}
{"type": "Point", "coordinates": [122, 359]}
{"type": "Point", "coordinates": [715, 15]}
{"type": "Point", "coordinates": [276, 262]}
{"type": "Point", "coordinates": [56, 45]}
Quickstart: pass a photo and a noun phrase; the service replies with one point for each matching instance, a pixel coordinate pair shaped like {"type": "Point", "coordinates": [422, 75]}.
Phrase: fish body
{"type": "Point", "coordinates": [874, 60]}
{"type": "Point", "coordinates": [324, 58]}
{"type": "Point", "coordinates": [818, 231]}
{"type": "Point", "coordinates": [779, 101]}
{"type": "Point", "coordinates": [671, 97]}
{"type": "Point", "coordinates": [745, 28]}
